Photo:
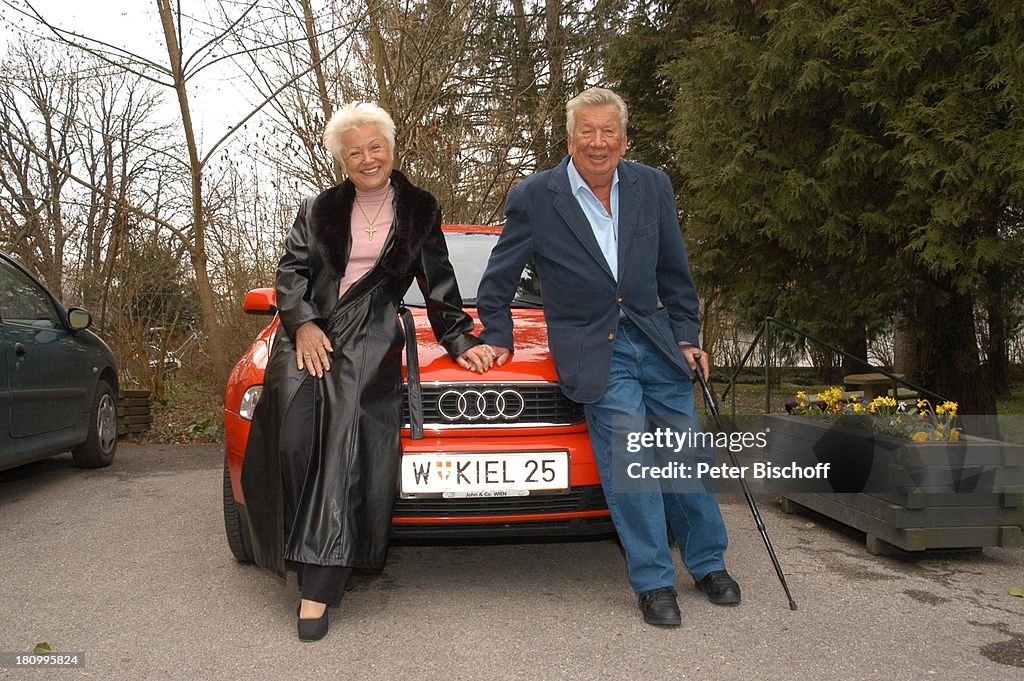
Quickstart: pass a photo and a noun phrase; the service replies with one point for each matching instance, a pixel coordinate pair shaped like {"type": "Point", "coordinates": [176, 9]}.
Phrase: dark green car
{"type": "Point", "coordinates": [58, 380]}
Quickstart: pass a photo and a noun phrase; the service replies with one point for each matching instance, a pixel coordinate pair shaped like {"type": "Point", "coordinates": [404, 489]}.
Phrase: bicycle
{"type": "Point", "coordinates": [148, 362]}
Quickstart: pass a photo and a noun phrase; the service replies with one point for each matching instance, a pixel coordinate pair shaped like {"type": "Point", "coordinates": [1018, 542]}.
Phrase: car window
{"type": "Point", "coordinates": [22, 301]}
{"type": "Point", "coordinates": [468, 254]}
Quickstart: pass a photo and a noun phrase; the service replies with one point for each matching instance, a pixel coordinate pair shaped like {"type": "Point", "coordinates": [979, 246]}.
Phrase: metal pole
{"type": "Point", "coordinates": [768, 365]}
{"type": "Point", "coordinates": [709, 400]}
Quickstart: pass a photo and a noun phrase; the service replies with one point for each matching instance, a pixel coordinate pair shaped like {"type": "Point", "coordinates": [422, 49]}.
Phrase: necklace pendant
{"type": "Point", "coordinates": [370, 231]}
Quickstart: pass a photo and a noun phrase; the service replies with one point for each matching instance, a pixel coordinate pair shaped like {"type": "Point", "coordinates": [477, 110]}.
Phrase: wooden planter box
{"type": "Point", "coordinates": [912, 496]}
{"type": "Point", "coordinates": [134, 411]}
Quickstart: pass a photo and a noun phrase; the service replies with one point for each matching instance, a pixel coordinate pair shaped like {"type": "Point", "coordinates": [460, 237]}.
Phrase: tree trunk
{"type": "Point", "coordinates": [196, 249]}
{"type": "Point", "coordinates": [904, 347]}
{"type": "Point", "coordinates": [711, 326]}
{"type": "Point", "coordinates": [554, 42]}
{"type": "Point", "coordinates": [855, 343]}
{"type": "Point", "coordinates": [321, 81]}
{"type": "Point", "coordinates": [526, 97]}
{"type": "Point", "coordinates": [997, 348]}
{"type": "Point", "coordinates": [376, 39]}
{"type": "Point", "coordinates": [949, 363]}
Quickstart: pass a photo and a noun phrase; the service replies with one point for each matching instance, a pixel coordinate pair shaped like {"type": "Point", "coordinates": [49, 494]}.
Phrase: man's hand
{"type": "Point", "coordinates": [501, 355]}
{"type": "Point", "coordinates": [478, 358]}
{"type": "Point", "coordinates": [312, 350]}
{"type": "Point", "coordinates": [692, 354]}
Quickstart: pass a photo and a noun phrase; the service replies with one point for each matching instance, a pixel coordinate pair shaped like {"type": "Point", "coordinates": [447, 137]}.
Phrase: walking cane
{"type": "Point", "coordinates": [712, 404]}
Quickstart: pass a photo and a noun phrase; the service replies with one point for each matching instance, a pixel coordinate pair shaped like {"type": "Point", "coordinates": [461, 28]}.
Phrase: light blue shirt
{"type": "Point", "coordinates": [605, 226]}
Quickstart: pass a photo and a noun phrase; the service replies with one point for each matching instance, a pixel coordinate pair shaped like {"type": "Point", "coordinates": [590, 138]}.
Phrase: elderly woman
{"type": "Point", "coordinates": [321, 465]}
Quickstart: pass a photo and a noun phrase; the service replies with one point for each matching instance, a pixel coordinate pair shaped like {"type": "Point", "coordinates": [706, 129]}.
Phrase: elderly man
{"type": "Point", "coordinates": [622, 317]}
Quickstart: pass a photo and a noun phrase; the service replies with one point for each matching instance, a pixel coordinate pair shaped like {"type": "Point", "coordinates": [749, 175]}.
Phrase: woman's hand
{"type": "Point", "coordinates": [478, 358]}
{"type": "Point", "coordinates": [312, 350]}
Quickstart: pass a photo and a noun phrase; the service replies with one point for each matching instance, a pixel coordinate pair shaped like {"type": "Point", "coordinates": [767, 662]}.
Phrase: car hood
{"type": "Point", "coordinates": [531, 361]}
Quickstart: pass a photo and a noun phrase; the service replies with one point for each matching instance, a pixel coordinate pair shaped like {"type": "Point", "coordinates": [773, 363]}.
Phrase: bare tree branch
{"type": "Point", "coordinates": [273, 95]}
{"type": "Point", "coordinates": [67, 36]}
{"type": "Point", "coordinates": [34, 150]}
{"type": "Point", "coordinates": [215, 40]}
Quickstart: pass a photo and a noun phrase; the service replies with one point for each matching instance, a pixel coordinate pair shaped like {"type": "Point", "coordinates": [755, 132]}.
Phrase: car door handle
{"type": "Point", "coordinates": [20, 350]}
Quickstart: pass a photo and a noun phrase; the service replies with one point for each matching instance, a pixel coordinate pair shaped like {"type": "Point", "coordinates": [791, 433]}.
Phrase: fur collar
{"type": "Point", "coordinates": [330, 217]}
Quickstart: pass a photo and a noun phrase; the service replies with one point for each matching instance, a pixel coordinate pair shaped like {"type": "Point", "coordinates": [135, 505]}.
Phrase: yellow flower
{"type": "Point", "coordinates": [833, 399]}
{"type": "Point", "coordinates": [925, 424]}
{"type": "Point", "coordinates": [881, 401]}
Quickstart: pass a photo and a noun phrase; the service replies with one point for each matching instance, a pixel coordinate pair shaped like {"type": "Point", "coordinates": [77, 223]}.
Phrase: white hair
{"type": "Point", "coordinates": [357, 115]}
{"type": "Point", "coordinates": [595, 96]}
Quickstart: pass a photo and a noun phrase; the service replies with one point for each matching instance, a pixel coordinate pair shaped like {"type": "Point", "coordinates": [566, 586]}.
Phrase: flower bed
{"type": "Point", "coordinates": [919, 423]}
{"type": "Point", "coordinates": [911, 493]}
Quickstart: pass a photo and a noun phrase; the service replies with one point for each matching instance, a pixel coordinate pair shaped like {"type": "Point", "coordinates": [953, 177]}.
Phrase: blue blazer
{"type": "Point", "coordinates": [582, 301]}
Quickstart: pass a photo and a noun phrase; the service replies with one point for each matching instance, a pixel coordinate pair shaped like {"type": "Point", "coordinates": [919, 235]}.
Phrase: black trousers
{"type": "Point", "coordinates": [321, 583]}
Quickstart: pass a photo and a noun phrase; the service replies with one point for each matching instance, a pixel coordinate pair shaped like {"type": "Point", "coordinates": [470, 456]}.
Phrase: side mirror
{"type": "Point", "coordinates": [260, 301]}
{"type": "Point", "coordinates": [79, 319]}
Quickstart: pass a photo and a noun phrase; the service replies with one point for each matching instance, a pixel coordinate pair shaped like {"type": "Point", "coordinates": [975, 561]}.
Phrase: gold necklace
{"type": "Point", "coordinates": [370, 231]}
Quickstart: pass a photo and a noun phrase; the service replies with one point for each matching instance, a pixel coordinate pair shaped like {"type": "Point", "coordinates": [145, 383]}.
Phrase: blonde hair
{"type": "Point", "coordinates": [356, 115]}
{"type": "Point", "coordinates": [595, 96]}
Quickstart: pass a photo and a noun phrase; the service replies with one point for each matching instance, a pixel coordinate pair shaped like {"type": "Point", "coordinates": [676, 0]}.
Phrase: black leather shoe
{"type": "Point", "coordinates": [720, 588]}
{"type": "Point", "coordinates": [312, 630]}
{"type": "Point", "coordinates": [660, 608]}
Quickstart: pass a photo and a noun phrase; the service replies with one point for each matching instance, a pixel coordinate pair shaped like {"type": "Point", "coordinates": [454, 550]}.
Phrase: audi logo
{"type": "Point", "coordinates": [476, 405]}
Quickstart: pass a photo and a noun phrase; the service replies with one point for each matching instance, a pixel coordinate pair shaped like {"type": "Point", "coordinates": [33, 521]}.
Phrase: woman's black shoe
{"type": "Point", "coordinates": [312, 630]}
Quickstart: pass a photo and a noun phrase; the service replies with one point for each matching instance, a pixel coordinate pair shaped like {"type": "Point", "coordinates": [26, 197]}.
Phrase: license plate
{"type": "Point", "coordinates": [484, 475]}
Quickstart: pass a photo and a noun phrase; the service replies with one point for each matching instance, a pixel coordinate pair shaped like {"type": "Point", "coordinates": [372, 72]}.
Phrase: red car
{"type": "Point", "coordinates": [503, 453]}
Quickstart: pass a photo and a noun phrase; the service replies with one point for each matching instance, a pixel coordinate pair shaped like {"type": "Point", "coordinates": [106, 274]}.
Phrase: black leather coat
{"type": "Point", "coordinates": [343, 516]}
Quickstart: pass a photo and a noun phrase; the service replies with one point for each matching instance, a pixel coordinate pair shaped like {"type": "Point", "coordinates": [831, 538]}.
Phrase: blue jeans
{"type": "Point", "coordinates": [644, 389]}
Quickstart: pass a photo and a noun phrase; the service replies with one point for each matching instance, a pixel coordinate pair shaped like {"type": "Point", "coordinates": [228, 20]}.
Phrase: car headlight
{"type": "Point", "coordinates": [249, 401]}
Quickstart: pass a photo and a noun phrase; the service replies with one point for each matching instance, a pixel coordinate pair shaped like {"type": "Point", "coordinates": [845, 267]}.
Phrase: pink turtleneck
{"type": "Point", "coordinates": [375, 206]}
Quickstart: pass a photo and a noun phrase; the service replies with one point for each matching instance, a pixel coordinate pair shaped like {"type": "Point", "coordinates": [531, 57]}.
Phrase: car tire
{"type": "Point", "coordinates": [101, 443]}
{"type": "Point", "coordinates": [234, 522]}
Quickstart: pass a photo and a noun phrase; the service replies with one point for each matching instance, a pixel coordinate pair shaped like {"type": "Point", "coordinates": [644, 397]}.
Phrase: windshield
{"type": "Point", "coordinates": [468, 254]}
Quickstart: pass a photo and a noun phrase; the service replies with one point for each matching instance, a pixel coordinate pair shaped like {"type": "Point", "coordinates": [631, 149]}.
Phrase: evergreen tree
{"type": "Point", "coordinates": [844, 160]}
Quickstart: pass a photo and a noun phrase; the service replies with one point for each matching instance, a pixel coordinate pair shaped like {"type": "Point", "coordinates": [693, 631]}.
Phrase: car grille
{"type": "Point", "coordinates": [487, 405]}
{"type": "Point", "coordinates": [589, 498]}
{"type": "Point", "coordinates": [573, 527]}
{"type": "Point", "coordinates": [450, 511]}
